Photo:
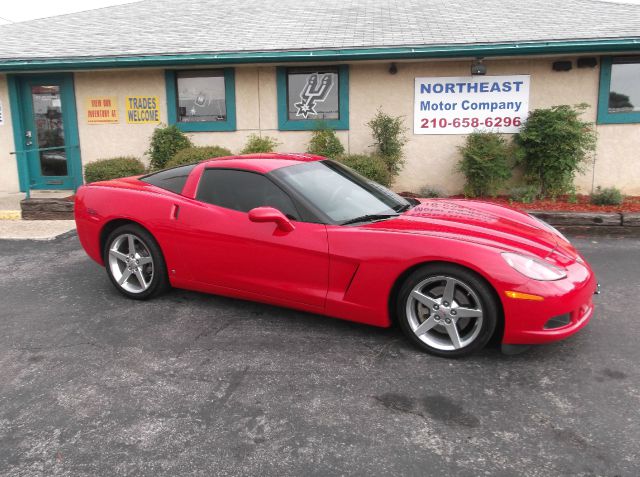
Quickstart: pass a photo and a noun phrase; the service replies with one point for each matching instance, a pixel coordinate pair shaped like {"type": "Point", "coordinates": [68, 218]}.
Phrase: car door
{"type": "Point", "coordinates": [226, 249]}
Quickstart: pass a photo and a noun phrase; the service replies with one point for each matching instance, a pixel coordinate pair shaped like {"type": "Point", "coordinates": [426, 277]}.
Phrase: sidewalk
{"type": "Point", "coordinates": [34, 229]}
{"type": "Point", "coordinates": [13, 228]}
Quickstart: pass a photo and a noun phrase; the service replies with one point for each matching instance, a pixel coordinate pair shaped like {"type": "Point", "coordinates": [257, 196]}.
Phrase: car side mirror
{"type": "Point", "coordinates": [269, 214]}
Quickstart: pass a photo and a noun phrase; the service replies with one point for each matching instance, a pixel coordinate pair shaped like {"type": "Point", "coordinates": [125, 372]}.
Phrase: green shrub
{"type": "Point", "coordinates": [485, 163]}
{"type": "Point", "coordinates": [607, 196]}
{"type": "Point", "coordinates": [372, 167]}
{"type": "Point", "coordinates": [106, 169]}
{"type": "Point", "coordinates": [324, 142]}
{"type": "Point", "coordinates": [195, 154]}
{"type": "Point", "coordinates": [256, 144]}
{"type": "Point", "coordinates": [428, 192]}
{"type": "Point", "coordinates": [555, 143]}
{"type": "Point", "coordinates": [165, 142]}
{"type": "Point", "coordinates": [525, 194]}
{"type": "Point", "coordinates": [389, 136]}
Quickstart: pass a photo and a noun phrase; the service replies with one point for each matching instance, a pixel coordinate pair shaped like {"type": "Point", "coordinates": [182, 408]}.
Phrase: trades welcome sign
{"type": "Point", "coordinates": [461, 105]}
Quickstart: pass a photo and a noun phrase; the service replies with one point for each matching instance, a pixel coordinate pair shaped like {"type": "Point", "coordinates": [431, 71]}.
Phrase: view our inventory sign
{"type": "Point", "coordinates": [102, 110]}
{"type": "Point", "coordinates": [461, 105]}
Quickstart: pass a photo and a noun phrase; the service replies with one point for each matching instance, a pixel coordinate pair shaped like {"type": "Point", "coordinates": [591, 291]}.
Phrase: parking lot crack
{"type": "Point", "coordinates": [210, 331]}
{"type": "Point", "coordinates": [57, 347]}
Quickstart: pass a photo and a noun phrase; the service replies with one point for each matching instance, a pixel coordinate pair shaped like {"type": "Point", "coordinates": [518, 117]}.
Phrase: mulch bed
{"type": "Point", "coordinates": [561, 204]}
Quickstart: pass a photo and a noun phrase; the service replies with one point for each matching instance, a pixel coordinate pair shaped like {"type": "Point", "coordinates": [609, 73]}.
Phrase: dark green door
{"type": "Point", "coordinates": [51, 153]}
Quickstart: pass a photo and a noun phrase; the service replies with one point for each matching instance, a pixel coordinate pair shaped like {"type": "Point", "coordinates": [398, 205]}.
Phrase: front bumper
{"type": "Point", "coordinates": [526, 321]}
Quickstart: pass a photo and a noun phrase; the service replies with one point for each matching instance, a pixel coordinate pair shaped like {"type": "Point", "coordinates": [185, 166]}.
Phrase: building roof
{"type": "Point", "coordinates": [222, 27]}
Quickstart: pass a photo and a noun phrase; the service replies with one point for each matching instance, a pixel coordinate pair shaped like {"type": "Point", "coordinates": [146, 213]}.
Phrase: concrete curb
{"type": "Point", "coordinates": [10, 215]}
{"type": "Point", "coordinates": [581, 223]}
{"type": "Point", "coordinates": [38, 230]}
{"type": "Point", "coordinates": [591, 219]}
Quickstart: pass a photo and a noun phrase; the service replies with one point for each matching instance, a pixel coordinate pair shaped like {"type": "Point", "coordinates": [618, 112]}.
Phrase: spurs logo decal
{"type": "Point", "coordinates": [315, 91]}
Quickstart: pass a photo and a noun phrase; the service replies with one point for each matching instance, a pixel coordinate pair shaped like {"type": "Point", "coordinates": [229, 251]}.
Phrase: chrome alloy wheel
{"type": "Point", "coordinates": [444, 313]}
{"type": "Point", "coordinates": [130, 263]}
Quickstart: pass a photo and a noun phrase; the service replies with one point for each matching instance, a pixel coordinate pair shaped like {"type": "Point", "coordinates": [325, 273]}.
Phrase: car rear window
{"type": "Point", "coordinates": [170, 179]}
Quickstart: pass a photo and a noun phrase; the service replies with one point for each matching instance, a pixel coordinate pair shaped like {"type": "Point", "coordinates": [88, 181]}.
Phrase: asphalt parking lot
{"type": "Point", "coordinates": [94, 384]}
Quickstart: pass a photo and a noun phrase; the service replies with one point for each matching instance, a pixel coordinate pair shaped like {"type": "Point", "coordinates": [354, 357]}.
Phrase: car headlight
{"type": "Point", "coordinates": [551, 228]}
{"type": "Point", "coordinates": [534, 268]}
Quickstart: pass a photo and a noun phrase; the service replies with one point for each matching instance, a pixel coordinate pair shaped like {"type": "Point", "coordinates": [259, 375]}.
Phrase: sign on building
{"type": "Point", "coordinates": [142, 109]}
{"type": "Point", "coordinates": [461, 105]}
{"type": "Point", "coordinates": [102, 110]}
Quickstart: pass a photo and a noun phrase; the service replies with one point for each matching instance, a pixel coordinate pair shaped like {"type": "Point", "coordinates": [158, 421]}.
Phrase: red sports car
{"type": "Point", "coordinates": [306, 232]}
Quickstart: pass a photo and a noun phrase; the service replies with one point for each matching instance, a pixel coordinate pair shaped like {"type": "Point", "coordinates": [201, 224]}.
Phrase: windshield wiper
{"type": "Point", "coordinates": [402, 208]}
{"type": "Point", "coordinates": [369, 218]}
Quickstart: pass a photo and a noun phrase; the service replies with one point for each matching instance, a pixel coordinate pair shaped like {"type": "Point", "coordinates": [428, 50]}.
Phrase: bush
{"type": "Point", "coordinates": [389, 136]}
{"type": "Point", "coordinates": [525, 194]}
{"type": "Point", "coordinates": [485, 163]}
{"type": "Point", "coordinates": [166, 141]}
{"type": "Point", "coordinates": [555, 143]}
{"type": "Point", "coordinates": [256, 144]}
{"type": "Point", "coordinates": [428, 192]}
{"type": "Point", "coordinates": [195, 154]}
{"type": "Point", "coordinates": [106, 169]}
{"type": "Point", "coordinates": [324, 142]}
{"type": "Point", "coordinates": [372, 167]}
{"type": "Point", "coordinates": [607, 196]}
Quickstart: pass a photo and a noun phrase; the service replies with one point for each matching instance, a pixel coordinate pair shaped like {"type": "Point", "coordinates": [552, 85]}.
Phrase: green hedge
{"type": "Point", "coordinates": [195, 154]}
{"type": "Point", "coordinates": [257, 144]}
{"type": "Point", "coordinates": [106, 169]}
{"type": "Point", "coordinates": [324, 142]}
{"type": "Point", "coordinates": [607, 196]}
{"type": "Point", "coordinates": [166, 141]}
{"type": "Point", "coordinates": [371, 166]}
{"type": "Point", "coordinates": [486, 163]}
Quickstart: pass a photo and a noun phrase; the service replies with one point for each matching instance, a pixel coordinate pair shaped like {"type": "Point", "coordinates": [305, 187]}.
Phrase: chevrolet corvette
{"type": "Point", "coordinates": [305, 232]}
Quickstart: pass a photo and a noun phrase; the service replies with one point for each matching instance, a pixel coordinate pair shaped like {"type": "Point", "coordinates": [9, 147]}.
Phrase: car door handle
{"type": "Point", "coordinates": [175, 211]}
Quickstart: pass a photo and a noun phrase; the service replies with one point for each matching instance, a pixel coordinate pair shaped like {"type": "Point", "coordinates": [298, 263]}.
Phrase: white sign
{"type": "Point", "coordinates": [461, 105]}
{"type": "Point", "coordinates": [1, 115]}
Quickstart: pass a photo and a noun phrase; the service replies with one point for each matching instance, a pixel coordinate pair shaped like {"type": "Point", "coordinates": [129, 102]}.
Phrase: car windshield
{"type": "Point", "coordinates": [340, 193]}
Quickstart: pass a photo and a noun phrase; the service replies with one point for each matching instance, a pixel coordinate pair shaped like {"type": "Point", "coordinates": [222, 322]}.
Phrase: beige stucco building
{"type": "Point", "coordinates": [68, 103]}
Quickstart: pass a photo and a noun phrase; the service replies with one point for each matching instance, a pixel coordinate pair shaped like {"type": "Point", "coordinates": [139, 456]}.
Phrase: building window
{"type": "Point", "coordinates": [619, 100]}
{"type": "Point", "coordinates": [307, 96]}
{"type": "Point", "coordinates": [201, 100]}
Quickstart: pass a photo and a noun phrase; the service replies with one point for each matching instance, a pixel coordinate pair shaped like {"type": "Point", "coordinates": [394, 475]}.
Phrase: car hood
{"type": "Point", "coordinates": [481, 222]}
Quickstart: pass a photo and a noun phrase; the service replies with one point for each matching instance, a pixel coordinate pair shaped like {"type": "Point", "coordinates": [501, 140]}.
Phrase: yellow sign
{"type": "Point", "coordinates": [142, 109]}
{"type": "Point", "coordinates": [102, 110]}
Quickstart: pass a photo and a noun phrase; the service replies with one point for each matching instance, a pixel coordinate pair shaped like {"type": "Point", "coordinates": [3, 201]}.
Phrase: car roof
{"type": "Point", "coordinates": [262, 162]}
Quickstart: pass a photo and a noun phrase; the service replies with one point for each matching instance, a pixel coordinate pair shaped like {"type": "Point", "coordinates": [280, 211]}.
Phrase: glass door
{"type": "Point", "coordinates": [50, 132]}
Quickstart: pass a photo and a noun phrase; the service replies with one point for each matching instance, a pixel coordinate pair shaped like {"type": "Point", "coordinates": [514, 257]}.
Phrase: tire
{"type": "Point", "coordinates": [442, 325]}
{"type": "Point", "coordinates": [140, 273]}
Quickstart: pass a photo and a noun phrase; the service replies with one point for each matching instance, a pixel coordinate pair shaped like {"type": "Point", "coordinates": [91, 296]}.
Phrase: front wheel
{"type": "Point", "coordinates": [447, 310]}
{"type": "Point", "coordinates": [134, 262]}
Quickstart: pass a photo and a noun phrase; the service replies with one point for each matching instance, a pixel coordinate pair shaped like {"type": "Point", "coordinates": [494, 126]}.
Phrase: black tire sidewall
{"type": "Point", "coordinates": [160, 281]}
{"type": "Point", "coordinates": [471, 279]}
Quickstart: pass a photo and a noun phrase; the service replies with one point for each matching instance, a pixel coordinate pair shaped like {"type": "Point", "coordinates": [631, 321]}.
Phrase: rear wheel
{"type": "Point", "coordinates": [447, 310]}
{"type": "Point", "coordinates": [134, 262]}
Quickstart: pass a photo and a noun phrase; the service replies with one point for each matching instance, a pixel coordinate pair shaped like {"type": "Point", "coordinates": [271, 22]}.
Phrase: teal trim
{"type": "Point", "coordinates": [18, 134]}
{"type": "Point", "coordinates": [432, 51]}
{"type": "Point", "coordinates": [285, 124]}
{"type": "Point", "coordinates": [604, 116]}
{"type": "Point", "coordinates": [230, 102]}
{"type": "Point", "coordinates": [22, 120]}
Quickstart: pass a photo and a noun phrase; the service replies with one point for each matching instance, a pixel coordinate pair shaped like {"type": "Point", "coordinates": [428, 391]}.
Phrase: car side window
{"type": "Point", "coordinates": [171, 179]}
{"type": "Point", "coordinates": [243, 191]}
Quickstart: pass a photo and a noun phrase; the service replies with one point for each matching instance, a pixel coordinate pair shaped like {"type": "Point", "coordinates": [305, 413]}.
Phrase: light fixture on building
{"type": "Point", "coordinates": [587, 62]}
{"type": "Point", "coordinates": [478, 68]}
{"type": "Point", "coordinates": [393, 69]}
{"type": "Point", "coordinates": [562, 65]}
